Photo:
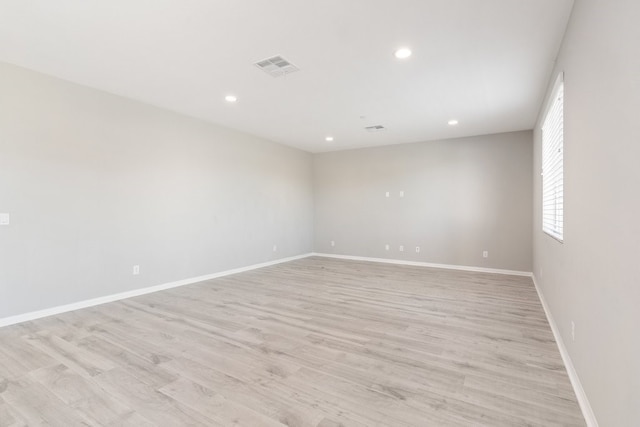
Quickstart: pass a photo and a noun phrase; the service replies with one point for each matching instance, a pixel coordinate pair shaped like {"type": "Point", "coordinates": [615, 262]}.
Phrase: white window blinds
{"type": "Point", "coordinates": [552, 164]}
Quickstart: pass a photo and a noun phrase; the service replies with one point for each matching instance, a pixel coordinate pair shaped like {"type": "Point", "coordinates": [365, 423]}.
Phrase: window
{"type": "Point", "coordinates": [552, 164]}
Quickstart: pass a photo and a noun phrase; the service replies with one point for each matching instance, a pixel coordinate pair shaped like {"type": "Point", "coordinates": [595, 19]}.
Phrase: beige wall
{"type": "Point", "coordinates": [96, 183]}
{"type": "Point", "coordinates": [593, 278]}
{"type": "Point", "coordinates": [461, 196]}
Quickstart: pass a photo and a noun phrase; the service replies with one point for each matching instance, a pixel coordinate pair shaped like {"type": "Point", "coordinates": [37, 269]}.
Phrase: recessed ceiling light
{"type": "Point", "coordinates": [402, 53]}
{"type": "Point", "coordinates": [230, 98]}
{"type": "Point", "coordinates": [329, 139]}
{"type": "Point", "coordinates": [452, 122]}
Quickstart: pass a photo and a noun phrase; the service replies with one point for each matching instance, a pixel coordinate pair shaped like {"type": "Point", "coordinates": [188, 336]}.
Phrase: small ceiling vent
{"type": "Point", "coordinates": [276, 66]}
{"type": "Point", "coordinates": [376, 128]}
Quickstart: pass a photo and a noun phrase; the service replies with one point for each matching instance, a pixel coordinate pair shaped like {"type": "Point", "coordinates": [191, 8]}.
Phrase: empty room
{"type": "Point", "coordinates": [320, 213]}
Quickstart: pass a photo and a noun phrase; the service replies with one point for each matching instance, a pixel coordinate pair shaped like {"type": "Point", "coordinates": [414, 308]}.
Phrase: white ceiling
{"type": "Point", "coordinates": [483, 62]}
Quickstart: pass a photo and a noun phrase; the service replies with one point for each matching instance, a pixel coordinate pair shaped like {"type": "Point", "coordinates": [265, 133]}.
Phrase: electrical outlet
{"type": "Point", "coordinates": [386, 247]}
{"type": "Point", "coordinates": [417, 249]}
{"type": "Point", "coordinates": [275, 248]}
{"type": "Point", "coordinates": [485, 254]}
{"type": "Point", "coordinates": [573, 331]}
{"type": "Point", "coordinates": [401, 193]}
{"type": "Point", "coordinates": [386, 194]}
{"type": "Point", "coordinates": [5, 219]}
{"type": "Point", "coordinates": [333, 243]}
{"type": "Point", "coordinates": [136, 270]}
{"type": "Point", "coordinates": [401, 249]}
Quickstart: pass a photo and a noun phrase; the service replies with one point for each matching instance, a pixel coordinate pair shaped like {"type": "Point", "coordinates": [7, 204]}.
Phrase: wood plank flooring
{"type": "Point", "coordinates": [315, 342]}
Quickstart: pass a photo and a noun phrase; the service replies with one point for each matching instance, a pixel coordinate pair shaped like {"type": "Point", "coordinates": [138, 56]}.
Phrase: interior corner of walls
{"type": "Point", "coordinates": [369, 198]}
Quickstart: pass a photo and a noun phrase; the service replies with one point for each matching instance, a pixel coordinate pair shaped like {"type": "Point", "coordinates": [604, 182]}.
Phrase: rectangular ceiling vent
{"type": "Point", "coordinates": [376, 128]}
{"type": "Point", "coordinates": [276, 66]}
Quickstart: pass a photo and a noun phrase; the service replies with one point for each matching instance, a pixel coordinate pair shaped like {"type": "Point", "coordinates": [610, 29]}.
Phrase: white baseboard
{"type": "Point", "coordinates": [427, 264]}
{"type": "Point", "coordinates": [12, 320]}
{"type": "Point", "coordinates": [573, 375]}
{"type": "Point", "coordinates": [583, 401]}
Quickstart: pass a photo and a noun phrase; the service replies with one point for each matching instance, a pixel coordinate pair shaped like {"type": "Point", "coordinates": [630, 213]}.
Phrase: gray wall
{"type": "Point", "coordinates": [461, 196]}
{"type": "Point", "coordinates": [96, 183]}
{"type": "Point", "coordinates": [593, 278]}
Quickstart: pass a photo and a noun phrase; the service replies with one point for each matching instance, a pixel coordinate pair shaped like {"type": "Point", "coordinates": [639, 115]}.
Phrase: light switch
{"type": "Point", "coordinates": [4, 219]}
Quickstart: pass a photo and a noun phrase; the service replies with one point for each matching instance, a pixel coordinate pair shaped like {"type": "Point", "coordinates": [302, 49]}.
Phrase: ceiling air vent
{"type": "Point", "coordinates": [376, 128]}
{"type": "Point", "coordinates": [276, 66]}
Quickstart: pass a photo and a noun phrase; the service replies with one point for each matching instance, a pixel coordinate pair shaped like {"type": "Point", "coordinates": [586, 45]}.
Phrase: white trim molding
{"type": "Point", "coordinates": [12, 320]}
{"type": "Point", "coordinates": [427, 264]}
{"type": "Point", "coordinates": [583, 401]}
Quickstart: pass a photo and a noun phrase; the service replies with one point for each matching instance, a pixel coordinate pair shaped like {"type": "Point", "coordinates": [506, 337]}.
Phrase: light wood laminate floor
{"type": "Point", "coordinates": [314, 342]}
